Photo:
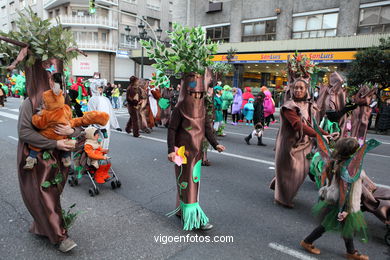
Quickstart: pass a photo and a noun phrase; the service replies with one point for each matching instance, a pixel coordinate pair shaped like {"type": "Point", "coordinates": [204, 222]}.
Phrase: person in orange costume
{"type": "Point", "coordinates": [95, 152]}
{"type": "Point", "coordinates": [54, 111]}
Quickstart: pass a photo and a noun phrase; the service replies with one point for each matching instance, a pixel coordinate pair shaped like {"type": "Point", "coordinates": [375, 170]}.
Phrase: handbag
{"type": "Point", "coordinates": [330, 193]}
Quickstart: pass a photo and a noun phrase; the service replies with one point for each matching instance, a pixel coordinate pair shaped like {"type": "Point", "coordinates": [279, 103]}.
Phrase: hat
{"type": "Point", "coordinates": [251, 99]}
{"type": "Point", "coordinates": [217, 88]}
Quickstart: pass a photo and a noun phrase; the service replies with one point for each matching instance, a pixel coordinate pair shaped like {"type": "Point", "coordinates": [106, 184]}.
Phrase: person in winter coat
{"type": "Point", "coordinates": [258, 120]}
{"type": "Point", "coordinates": [269, 108]}
{"type": "Point", "coordinates": [236, 108]}
{"type": "Point", "coordinates": [245, 98]}
{"type": "Point", "coordinates": [249, 111]}
{"type": "Point", "coordinates": [227, 99]}
{"type": "Point", "coordinates": [218, 120]}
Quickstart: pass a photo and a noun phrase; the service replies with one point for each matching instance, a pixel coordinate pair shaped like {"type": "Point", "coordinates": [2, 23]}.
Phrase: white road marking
{"type": "Point", "coordinates": [271, 168]}
{"type": "Point", "coordinates": [269, 138]}
{"type": "Point", "coordinates": [290, 251]}
{"type": "Point", "coordinates": [12, 116]}
{"type": "Point", "coordinates": [14, 109]}
{"type": "Point", "coordinates": [13, 138]}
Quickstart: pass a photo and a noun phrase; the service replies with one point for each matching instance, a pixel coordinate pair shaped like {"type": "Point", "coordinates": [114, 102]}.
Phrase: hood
{"type": "Point", "coordinates": [227, 88]}
{"type": "Point", "coordinates": [268, 93]}
{"type": "Point", "coordinates": [188, 105]}
{"type": "Point", "coordinates": [336, 81]}
{"type": "Point", "coordinates": [90, 132]}
{"type": "Point", "coordinates": [248, 89]}
{"type": "Point", "coordinates": [251, 99]}
{"type": "Point", "coordinates": [239, 92]}
{"type": "Point", "coordinates": [53, 101]}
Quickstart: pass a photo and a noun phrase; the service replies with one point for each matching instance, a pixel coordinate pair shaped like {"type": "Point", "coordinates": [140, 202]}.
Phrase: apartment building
{"type": "Point", "coordinates": [265, 32]}
{"type": "Point", "coordinates": [101, 35]}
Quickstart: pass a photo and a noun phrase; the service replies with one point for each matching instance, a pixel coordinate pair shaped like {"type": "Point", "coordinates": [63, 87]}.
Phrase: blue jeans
{"type": "Point", "coordinates": [115, 102]}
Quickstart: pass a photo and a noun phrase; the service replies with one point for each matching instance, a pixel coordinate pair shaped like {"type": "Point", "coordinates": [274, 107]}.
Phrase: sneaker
{"type": "Point", "coordinates": [206, 227]}
{"type": "Point", "coordinates": [251, 124]}
{"type": "Point", "coordinates": [275, 121]}
{"type": "Point", "coordinates": [310, 248]}
{"type": "Point", "coordinates": [66, 161]}
{"type": "Point", "coordinates": [67, 245]}
{"type": "Point", "coordinates": [357, 256]}
{"type": "Point", "coordinates": [30, 162]}
{"type": "Point", "coordinates": [246, 124]}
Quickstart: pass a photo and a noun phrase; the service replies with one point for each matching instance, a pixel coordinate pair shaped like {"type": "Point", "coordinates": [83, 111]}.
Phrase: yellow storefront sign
{"type": "Point", "coordinates": [320, 57]}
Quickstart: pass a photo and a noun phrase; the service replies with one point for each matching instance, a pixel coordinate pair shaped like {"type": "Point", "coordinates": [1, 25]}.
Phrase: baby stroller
{"type": "Point", "coordinates": [81, 168]}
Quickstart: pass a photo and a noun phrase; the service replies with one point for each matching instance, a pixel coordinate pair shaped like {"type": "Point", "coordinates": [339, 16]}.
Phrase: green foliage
{"type": "Point", "coordinates": [372, 65]}
{"type": "Point", "coordinates": [69, 217]}
{"type": "Point", "coordinates": [160, 80]}
{"type": "Point", "coordinates": [318, 74]}
{"type": "Point", "coordinates": [44, 39]}
{"type": "Point", "coordinates": [189, 52]}
{"type": "Point", "coordinates": [56, 181]}
{"type": "Point", "coordinates": [222, 68]}
{"type": "Point", "coordinates": [46, 155]}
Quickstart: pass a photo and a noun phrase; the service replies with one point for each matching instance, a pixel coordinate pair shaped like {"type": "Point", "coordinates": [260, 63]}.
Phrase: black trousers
{"type": "Point", "coordinates": [225, 114]}
{"type": "Point", "coordinates": [320, 230]}
{"type": "Point", "coordinates": [235, 117]}
{"type": "Point", "coordinates": [268, 119]}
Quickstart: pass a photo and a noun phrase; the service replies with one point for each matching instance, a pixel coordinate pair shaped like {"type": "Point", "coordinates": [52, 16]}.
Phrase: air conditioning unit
{"type": "Point", "coordinates": [214, 7]}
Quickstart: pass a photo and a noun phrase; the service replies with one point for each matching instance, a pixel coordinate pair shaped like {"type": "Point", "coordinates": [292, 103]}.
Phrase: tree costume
{"type": "Point", "coordinates": [188, 126]}
{"type": "Point", "coordinates": [42, 201]}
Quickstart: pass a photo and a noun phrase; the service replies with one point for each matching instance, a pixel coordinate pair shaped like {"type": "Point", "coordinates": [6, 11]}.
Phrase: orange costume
{"type": "Point", "coordinates": [95, 152]}
{"type": "Point", "coordinates": [57, 112]}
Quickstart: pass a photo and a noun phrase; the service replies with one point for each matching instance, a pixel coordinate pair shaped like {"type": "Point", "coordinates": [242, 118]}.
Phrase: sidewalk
{"type": "Point", "coordinates": [110, 226]}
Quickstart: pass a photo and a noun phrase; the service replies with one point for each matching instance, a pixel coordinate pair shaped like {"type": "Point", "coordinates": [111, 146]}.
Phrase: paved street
{"type": "Point", "coordinates": [122, 223]}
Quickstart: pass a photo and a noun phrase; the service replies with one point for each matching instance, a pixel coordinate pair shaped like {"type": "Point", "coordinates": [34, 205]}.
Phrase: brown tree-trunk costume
{"type": "Point", "coordinates": [133, 96]}
{"type": "Point", "coordinates": [166, 113]}
{"type": "Point", "coordinates": [144, 105]}
{"type": "Point", "coordinates": [292, 146]}
{"type": "Point", "coordinates": [42, 203]}
{"type": "Point", "coordinates": [188, 126]}
{"type": "Point", "coordinates": [333, 97]}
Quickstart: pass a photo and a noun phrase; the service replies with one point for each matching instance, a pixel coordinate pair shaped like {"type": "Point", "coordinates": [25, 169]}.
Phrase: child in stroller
{"type": "Point", "coordinates": [90, 158]}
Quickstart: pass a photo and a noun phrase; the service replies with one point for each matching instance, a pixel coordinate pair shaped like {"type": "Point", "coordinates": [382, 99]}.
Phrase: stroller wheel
{"type": "Point", "coordinates": [76, 181]}
{"type": "Point", "coordinates": [91, 192]}
{"type": "Point", "coordinates": [70, 182]}
{"type": "Point", "coordinates": [113, 185]}
{"type": "Point", "coordinates": [118, 184]}
{"type": "Point", "coordinates": [96, 191]}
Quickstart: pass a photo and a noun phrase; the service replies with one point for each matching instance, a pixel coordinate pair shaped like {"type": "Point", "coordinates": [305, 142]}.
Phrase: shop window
{"type": "Point", "coordinates": [220, 33]}
{"type": "Point", "coordinates": [374, 20]}
{"type": "Point", "coordinates": [259, 31]}
{"type": "Point", "coordinates": [132, 44]}
{"type": "Point", "coordinates": [315, 26]}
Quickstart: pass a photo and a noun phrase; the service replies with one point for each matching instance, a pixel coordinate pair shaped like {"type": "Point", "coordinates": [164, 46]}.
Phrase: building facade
{"type": "Point", "coordinates": [103, 35]}
{"type": "Point", "coordinates": [265, 32]}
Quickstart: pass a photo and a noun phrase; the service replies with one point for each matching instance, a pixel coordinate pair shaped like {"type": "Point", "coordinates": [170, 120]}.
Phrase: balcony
{"type": "Point", "coordinates": [97, 46]}
{"type": "Point", "coordinates": [88, 21]}
{"type": "Point", "coordinates": [49, 4]}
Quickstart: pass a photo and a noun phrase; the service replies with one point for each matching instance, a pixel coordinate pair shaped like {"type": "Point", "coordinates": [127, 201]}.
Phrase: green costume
{"type": "Point", "coordinates": [227, 97]}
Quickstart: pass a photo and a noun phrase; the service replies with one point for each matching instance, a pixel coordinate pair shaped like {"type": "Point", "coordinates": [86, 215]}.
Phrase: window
{"type": "Point", "coordinates": [220, 33]}
{"type": "Point", "coordinates": [259, 31]}
{"type": "Point", "coordinates": [57, 11]}
{"type": "Point", "coordinates": [315, 26]}
{"type": "Point", "coordinates": [104, 36]}
{"type": "Point", "coordinates": [12, 7]}
{"type": "Point", "coordinates": [129, 20]}
{"type": "Point", "coordinates": [154, 23]}
{"type": "Point", "coordinates": [170, 7]}
{"type": "Point", "coordinates": [132, 44]}
{"type": "Point", "coordinates": [131, 1]}
{"type": "Point", "coordinates": [50, 14]}
{"type": "Point", "coordinates": [80, 12]}
{"type": "Point", "coordinates": [153, 4]}
{"type": "Point", "coordinates": [13, 26]}
{"type": "Point", "coordinates": [374, 20]}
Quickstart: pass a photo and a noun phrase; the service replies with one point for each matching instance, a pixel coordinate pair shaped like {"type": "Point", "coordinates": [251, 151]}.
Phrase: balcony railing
{"type": "Point", "coordinates": [48, 4]}
{"type": "Point", "coordinates": [97, 46]}
{"type": "Point", "coordinates": [95, 21]}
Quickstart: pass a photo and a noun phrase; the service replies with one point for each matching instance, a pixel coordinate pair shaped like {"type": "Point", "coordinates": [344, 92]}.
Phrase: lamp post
{"type": "Point", "coordinates": [143, 35]}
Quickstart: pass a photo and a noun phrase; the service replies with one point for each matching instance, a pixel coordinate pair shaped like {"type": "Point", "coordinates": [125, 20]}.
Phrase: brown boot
{"type": "Point", "coordinates": [310, 248]}
{"type": "Point", "coordinates": [356, 256]}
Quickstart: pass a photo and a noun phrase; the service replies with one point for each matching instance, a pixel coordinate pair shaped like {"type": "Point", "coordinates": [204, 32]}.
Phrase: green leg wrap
{"type": "Point", "coordinates": [192, 216]}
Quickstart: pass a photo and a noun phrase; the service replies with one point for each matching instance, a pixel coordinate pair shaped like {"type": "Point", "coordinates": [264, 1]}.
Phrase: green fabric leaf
{"type": "Point", "coordinates": [46, 184]}
{"type": "Point", "coordinates": [46, 155]}
{"type": "Point", "coordinates": [54, 165]}
{"type": "Point", "coordinates": [58, 178]}
{"type": "Point", "coordinates": [163, 103]}
{"type": "Point", "coordinates": [196, 172]}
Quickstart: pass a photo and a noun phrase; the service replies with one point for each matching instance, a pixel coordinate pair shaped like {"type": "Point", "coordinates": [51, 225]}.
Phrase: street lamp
{"type": "Point", "coordinates": [143, 35]}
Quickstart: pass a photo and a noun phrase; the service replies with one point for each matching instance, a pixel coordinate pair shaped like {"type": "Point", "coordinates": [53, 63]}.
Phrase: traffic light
{"type": "Point", "coordinates": [92, 8]}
